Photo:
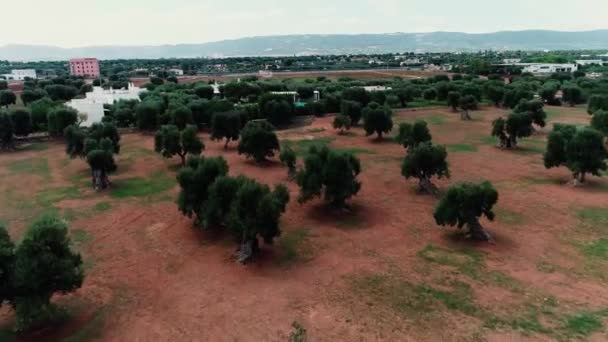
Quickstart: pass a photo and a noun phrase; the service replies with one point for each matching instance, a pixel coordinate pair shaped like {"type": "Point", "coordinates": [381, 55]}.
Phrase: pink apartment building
{"type": "Point", "coordinates": [87, 67]}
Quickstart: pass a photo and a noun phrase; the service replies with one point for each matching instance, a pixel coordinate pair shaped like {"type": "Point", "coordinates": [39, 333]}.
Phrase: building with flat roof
{"type": "Point", "coordinates": [20, 74]}
{"type": "Point", "coordinates": [548, 68]}
{"type": "Point", "coordinates": [92, 104]}
{"type": "Point", "coordinates": [85, 67]}
{"type": "Point", "coordinates": [590, 62]}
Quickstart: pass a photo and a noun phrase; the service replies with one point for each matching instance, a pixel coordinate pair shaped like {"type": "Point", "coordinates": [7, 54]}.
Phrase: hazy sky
{"type": "Point", "coordinates": [71, 23]}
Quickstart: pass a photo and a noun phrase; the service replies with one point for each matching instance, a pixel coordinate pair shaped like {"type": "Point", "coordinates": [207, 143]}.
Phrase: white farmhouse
{"type": "Point", "coordinates": [92, 104]}
{"type": "Point", "coordinates": [20, 74]}
{"type": "Point", "coordinates": [548, 68]}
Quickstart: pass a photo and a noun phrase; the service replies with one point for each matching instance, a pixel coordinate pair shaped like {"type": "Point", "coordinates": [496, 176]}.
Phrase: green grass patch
{"type": "Point", "coordinates": [509, 217]}
{"type": "Point", "coordinates": [583, 323]}
{"type": "Point", "coordinates": [436, 120]}
{"type": "Point", "coordinates": [295, 246]}
{"type": "Point", "coordinates": [461, 148]}
{"type": "Point", "coordinates": [467, 261]}
{"type": "Point", "coordinates": [157, 183]}
{"type": "Point", "coordinates": [300, 147]}
{"type": "Point", "coordinates": [413, 301]}
{"type": "Point", "coordinates": [39, 146]}
{"type": "Point", "coordinates": [459, 299]}
{"type": "Point", "coordinates": [594, 216]}
{"type": "Point", "coordinates": [102, 206]}
{"type": "Point", "coordinates": [39, 167]}
{"type": "Point", "coordinates": [421, 103]}
{"type": "Point", "coordinates": [354, 150]}
{"type": "Point", "coordinates": [48, 197]}
{"type": "Point", "coordinates": [489, 140]}
{"type": "Point", "coordinates": [596, 249]}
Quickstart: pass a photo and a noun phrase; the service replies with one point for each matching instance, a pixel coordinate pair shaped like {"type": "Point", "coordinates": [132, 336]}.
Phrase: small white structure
{"type": "Point", "coordinates": [316, 96]}
{"type": "Point", "coordinates": [20, 74]}
{"type": "Point", "coordinates": [511, 60]}
{"type": "Point", "coordinates": [589, 62]}
{"type": "Point", "coordinates": [376, 88]}
{"type": "Point", "coordinates": [287, 93]}
{"type": "Point", "coordinates": [92, 104]}
{"type": "Point", "coordinates": [177, 72]}
{"type": "Point", "coordinates": [548, 68]}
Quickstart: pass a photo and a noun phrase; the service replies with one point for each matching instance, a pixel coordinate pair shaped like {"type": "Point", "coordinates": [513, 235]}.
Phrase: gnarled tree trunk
{"type": "Point", "coordinates": [427, 186]}
{"type": "Point", "coordinates": [100, 179]}
{"type": "Point", "coordinates": [247, 250]}
{"type": "Point", "coordinates": [476, 232]}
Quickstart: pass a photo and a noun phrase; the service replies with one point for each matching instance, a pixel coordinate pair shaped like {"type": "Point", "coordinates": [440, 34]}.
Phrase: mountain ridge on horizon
{"type": "Point", "coordinates": [324, 44]}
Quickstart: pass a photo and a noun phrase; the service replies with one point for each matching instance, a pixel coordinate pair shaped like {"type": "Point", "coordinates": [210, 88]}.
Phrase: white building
{"type": "Point", "coordinates": [177, 72]}
{"type": "Point", "coordinates": [548, 68]}
{"type": "Point", "coordinates": [376, 88]}
{"type": "Point", "coordinates": [20, 74]}
{"type": "Point", "coordinates": [511, 60]}
{"type": "Point", "coordinates": [589, 61]}
{"type": "Point", "coordinates": [92, 104]}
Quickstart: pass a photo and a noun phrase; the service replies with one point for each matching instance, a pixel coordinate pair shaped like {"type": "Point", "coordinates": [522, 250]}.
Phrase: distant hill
{"type": "Point", "coordinates": [327, 44]}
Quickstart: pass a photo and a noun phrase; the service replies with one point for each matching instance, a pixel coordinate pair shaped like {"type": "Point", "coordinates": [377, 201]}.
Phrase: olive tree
{"type": "Point", "coordinates": [342, 123]}
{"type": "Point", "coordinates": [44, 265]}
{"type": "Point", "coordinates": [467, 103]}
{"type": "Point", "coordinates": [572, 94]}
{"type": "Point", "coordinates": [535, 109]}
{"type": "Point", "coordinates": [169, 141]}
{"type": "Point", "coordinates": [464, 204]}
{"type": "Point", "coordinates": [22, 121]}
{"type": "Point", "coordinates": [353, 110]}
{"type": "Point", "coordinates": [377, 119]}
{"type": "Point", "coordinates": [7, 98]}
{"type": "Point", "coordinates": [227, 126]}
{"type": "Point", "coordinates": [517, 125]}
{"type": "Point", "coordinates": [330, 174]}
{"type": "Point", "coordinates": [100, 157]}
{"type": "Point", "coordinates": [597, 102]}
{"type": "Point", "coordinates": [582, 151]}
{"type": "Point", "coordinates": [410, 135]}
{"type": "Point", "coordinates": [7, 131]}
{"type": "Point", "coordinates": [59, 118]}
{"type": "Point", "coordinates": [424, 161]}
{"type": "Point", "coordinates": [599, 121]}
{"type": "Point", "coordinates": [254, 214]}
{"type": "Point", "coordinates": [258, 140]}
{"type": "Point", "coordinates": [194, 180]}
{"type": "Point", "coordinates": [454, 100]}
{"type": "Point", "coordinates": [288, 158]}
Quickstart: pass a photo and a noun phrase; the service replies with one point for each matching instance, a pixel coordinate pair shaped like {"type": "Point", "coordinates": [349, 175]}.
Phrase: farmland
{"type": "Point", "coordinates": [382, 271]}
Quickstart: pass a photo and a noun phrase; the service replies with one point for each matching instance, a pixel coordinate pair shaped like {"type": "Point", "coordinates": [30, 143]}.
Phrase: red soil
{"type": "Point", "coordinates": [155, 278]}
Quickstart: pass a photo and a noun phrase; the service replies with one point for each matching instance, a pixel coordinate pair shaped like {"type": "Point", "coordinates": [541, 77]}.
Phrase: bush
{"type": "Point", "coordinates": [44, 265]}
{"type": "Point", "coordinates": [227, 126]}
{"type": "Point", "coordinates": [7, 130]}
{"type": "Point", "coordinates": [377, 119]}
{"type": "Point", "coordinates": [258, 141]}
{"type": "Point", "coordinates": [410, 135]}
{"type": "Point", "coordinates": [59, 118]}
{"type": "Point", "coordinates": [464, 204]}
{"type": "Point", "coordinates": [147, 113]}
{"type": "Point", "coordinates": [22, 121]}
{"type": "Point", "coordinates": [329, 173]}
{"type": "Point", "coordinates": [170, 141]}
{"type": "Point", "coordinates": [341, 122]}
{"type": "Point", "coordinates": [353, 110]}
{"type": "Point", "coordinates": [423, 161]}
